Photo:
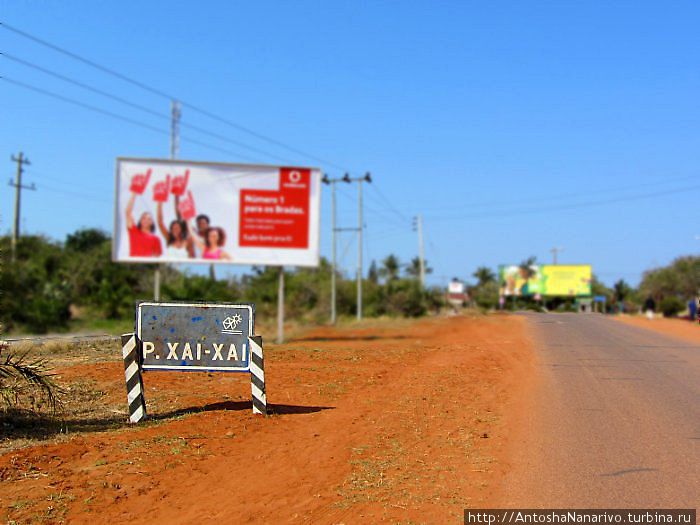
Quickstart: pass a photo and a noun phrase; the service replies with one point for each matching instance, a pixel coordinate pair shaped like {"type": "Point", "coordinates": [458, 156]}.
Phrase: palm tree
{"type": "Point", "coordinates": [390, 268]}
{"type": "Point", "coordinates": [484, 275]}
{"type": "Point", "coordinates": [413, 268]}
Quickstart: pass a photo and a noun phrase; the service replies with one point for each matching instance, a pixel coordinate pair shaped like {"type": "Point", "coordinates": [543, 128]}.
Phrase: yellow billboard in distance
{"type": "Point", "coordinates": [564, 280]}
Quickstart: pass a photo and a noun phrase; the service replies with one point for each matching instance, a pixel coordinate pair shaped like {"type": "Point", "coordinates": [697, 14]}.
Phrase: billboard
{"type": "Point", "coordinates": [545, 280]}
{"type": "Point", "coordinates": [199, 212]}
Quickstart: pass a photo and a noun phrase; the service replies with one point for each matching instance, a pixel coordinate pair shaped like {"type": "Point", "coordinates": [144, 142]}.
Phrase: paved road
{"type": "Point", "coordinates": [615, 420]}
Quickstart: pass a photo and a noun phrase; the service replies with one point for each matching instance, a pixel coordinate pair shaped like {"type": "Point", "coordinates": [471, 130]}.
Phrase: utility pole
{"type": "Point", "coordinates": [21, 161]}
{"type": "Point", "coordinates": [175, 114]}
{"type": "Point", "coordinates": [334, 230]}
{"type": "Point", "coordinates": [418, 227]}
{"type": "Point", "coordinates": [360, 228]}
{"type": "Point", "coordinates": [555, 252]}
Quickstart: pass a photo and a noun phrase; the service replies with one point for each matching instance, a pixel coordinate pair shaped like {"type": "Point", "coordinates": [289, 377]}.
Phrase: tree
{"type": "Point", "coordinates": [413, 268]}
{"type": "Point", "coordinates": [390, 268]}
{"type": "Point", "coordinates": [484, 275]}
{"type": "Point", "coordinates": [681, 279]}
{"type": "Point", "coordinates": [373, 273]}
{"type": "Point", "coordinates": [622, 290]}
{"type": "Point", "coordinates": [86, 239]}
{"type": "Point", "coordinates": [35, 288]}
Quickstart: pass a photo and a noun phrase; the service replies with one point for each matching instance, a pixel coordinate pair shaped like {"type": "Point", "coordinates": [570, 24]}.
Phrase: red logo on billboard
{"type": "Point", "coordinates": [277, 218]}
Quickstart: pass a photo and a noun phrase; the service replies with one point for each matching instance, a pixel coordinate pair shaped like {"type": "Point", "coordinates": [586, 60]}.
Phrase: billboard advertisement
{"type": "Point", "coordinates": [198, 212]}
{"type": "Point", "coordinates": [546, 280]}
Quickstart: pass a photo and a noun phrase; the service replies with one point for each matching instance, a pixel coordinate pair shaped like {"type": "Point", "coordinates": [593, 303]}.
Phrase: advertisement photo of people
{"type": "Point", "coordinates": [189, 212]}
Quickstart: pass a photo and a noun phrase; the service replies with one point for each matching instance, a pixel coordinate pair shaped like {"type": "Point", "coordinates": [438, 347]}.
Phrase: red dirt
{"type": "Point", "coordinates": [410, 423]}
{"type": "Point", "coordinates": [680, 328]}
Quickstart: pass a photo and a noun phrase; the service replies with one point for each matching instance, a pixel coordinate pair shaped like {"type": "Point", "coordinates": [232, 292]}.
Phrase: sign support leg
{"type": "Point", "coordinates": [134, 381]}
{"type": "Point", "coordinates": [257, 375]}
{"type": "Point", "coordinates": [280, 307]}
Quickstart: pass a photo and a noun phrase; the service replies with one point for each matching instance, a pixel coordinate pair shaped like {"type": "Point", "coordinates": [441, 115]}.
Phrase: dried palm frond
{"type": "Point", "coordinates": [23, 379]}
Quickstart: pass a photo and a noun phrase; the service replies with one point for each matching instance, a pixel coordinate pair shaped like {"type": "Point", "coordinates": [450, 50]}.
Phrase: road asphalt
{"type": "Point", "coordinates": [614, 421]}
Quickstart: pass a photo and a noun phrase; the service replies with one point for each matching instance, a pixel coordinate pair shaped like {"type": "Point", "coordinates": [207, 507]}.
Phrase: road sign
{"type": "Point", "coordinates": [195, 336]}
{"type": "Point", "coordinates": [211, 337]}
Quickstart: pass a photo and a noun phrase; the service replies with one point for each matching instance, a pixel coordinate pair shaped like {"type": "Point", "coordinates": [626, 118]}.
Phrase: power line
{"type": "Point", "coordinates": [163, 94]}
{"type": "Point", "coordinates": [138, 107]}
{"type": "Point", "coordinates": [380, 212]}
{"type": "Point", "coordinates": [41, 175]}
{"type": "Point", "coordinates": [502, 203]}
{"type": "Point", "coordinates": [121, 117]}
{"type": "Point", "coordinates": [92, 197]}
{"type": "Point", "coordinates": [390, 206]}
{"type": "Point", "coordinates": [565, 207]}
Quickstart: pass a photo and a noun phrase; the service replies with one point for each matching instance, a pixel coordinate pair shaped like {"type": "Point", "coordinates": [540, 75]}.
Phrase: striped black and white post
{"type": "Point", "coordinates": [134, 382]}
{"type": "Point", "coordinates": [257, 375]}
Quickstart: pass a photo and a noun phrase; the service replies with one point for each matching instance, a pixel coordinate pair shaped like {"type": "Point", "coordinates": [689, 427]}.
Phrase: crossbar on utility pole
{"type": "Point", "coordinates": [17, 184]}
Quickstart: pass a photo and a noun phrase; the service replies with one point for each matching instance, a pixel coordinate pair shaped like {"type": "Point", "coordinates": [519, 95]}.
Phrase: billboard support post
{"type": "Point", "coordinates": [156, 283]}
{"type": "Point", "coordinates": [280, 306]}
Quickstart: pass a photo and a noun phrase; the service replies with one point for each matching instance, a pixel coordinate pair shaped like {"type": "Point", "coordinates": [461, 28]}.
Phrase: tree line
{"type": "Point", "coordinates": [51, 283]}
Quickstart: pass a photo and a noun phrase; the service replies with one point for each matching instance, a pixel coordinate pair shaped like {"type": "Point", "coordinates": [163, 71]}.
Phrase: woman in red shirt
{"type": "Point", "coordinates": [142, 241]}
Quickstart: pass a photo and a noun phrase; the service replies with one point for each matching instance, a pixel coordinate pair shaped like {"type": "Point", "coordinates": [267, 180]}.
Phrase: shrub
{"type": "Point", "coordinates": [670, 306]}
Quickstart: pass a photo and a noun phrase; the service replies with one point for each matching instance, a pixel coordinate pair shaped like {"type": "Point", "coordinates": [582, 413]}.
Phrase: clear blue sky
{"type": "Point", "coordinates": [512, 127]}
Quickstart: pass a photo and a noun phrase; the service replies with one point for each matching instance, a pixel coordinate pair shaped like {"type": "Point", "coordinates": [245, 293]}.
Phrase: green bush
{"type": "Point", "coordinates": [670, 306]}
{"type": "Point", "coordinates": [35, 290]}
{"type": "Point", "coordinates": [486, 295]}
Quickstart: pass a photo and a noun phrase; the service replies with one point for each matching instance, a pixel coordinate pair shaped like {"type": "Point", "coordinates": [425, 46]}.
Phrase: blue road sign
{"type": "Point", "coordinates": [195, 336]}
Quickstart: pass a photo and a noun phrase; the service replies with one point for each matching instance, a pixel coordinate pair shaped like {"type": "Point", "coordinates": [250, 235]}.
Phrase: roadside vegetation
{"type": "Point", "coordinates": [74, 285]}
{"type": "Point", "coordinates": [57, 286]}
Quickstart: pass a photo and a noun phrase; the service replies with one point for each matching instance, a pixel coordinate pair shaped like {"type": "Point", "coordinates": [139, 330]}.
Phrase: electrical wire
{"type": "Point", "coordinates": [563, 206]}
{"type": "Point", "coordinates": [163, 94]}
{"type": "Point", "coordinates": [129, 120]}
{"type": "Point", "coordinates": [587, 192]}
{"type": "Point", "coordinates": [139, 107]}
{"type": "Point", "coordinates": [388, 203]}
{"type": "Point", "coordinates": [33, 173]}
{"type": "Point", "coordinates": [91, 197]}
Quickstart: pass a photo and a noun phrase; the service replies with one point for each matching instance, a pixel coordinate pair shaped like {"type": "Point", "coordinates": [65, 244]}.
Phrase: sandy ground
{"type": "Point", "coordinates": [397, 422]}
{"type": "Point", "coordinates": [680, 328]}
